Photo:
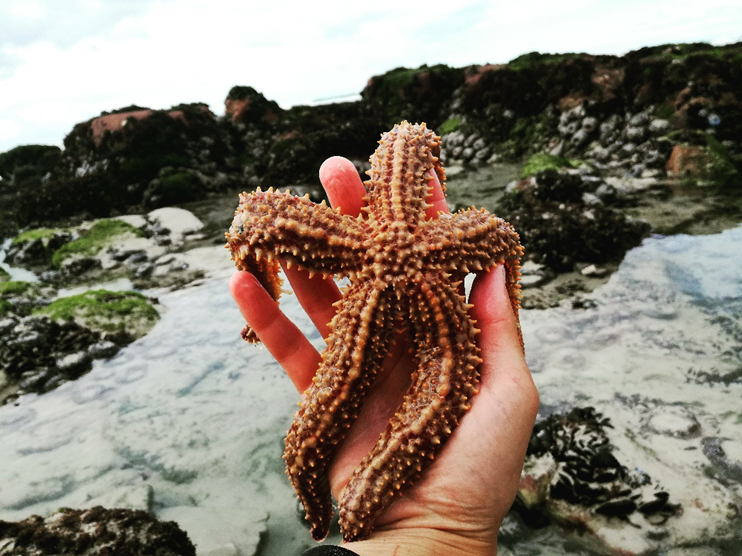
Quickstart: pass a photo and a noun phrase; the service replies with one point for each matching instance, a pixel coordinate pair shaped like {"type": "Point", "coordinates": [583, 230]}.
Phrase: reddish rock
{"type": "Point", "coordinates": [688, 160]}
{"type": "Point", "coordinates": [247, 106]}
{"type": "Point", "coordinates": [570, 101]}
{"type": "Point", "coordinates": [114, 122]}
{"type": "Point", "coordinates": [609, 81]}
{"type": "Point", "coordinates": [473, 75]}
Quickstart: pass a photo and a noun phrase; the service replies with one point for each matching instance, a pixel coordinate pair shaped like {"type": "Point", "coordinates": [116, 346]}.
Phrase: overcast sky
{"type": "Point", "coordinates": [65, 61]}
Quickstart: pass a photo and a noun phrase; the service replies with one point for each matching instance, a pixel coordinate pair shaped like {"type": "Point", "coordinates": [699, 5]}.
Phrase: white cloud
{"type": "Point", "coordinates": [62, 63]}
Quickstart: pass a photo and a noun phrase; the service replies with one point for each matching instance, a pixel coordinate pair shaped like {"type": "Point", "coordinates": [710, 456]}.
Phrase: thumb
{"type": "Point", "coordinates": [499, 342]}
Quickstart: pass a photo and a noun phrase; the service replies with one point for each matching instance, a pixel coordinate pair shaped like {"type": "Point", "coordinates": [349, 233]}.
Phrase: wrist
{"type": "Point", "coordinates": [422, 542]}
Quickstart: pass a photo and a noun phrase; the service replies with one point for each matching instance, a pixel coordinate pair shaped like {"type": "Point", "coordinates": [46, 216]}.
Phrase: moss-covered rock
{"type": "Point", "coordinates": [97, 531]}
{"type": "Point", "coordinates": [22, 161]}
{"type": "Point", "coordinates": [98, 237]}
{"type": "Point", "coordinates": [4, 276]}
{"type": "Point", "coordinates": [105, 311]}
{"type": "Point", "coordinates": [540, 162]}
{"type": "Point", "coordinates": [20, 297]}
{"type": "Point", "coordinates": [13, 287]}
{"type": "Point", "coordinates": [416, 94]}
{"type": "Point", "coordinates": [35, 248]}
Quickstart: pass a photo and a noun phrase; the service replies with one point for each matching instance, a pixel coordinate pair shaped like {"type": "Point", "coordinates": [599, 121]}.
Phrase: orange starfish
{"type": "Point", "coordinates": [404, 271]}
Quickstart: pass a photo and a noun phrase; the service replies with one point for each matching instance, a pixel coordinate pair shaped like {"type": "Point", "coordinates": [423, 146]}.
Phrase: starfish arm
{"type": "Point", "coordinates": [278, 225]}
{"type": "Point", "coordinates": [271, 225]}
{"type": "Point", "coordinates": [473, 240]}
{"type": "Point", "coordinates": [398, 184]}
{"type": "Point", "coordinates": [442, 387]}
{"type": "Point", "coordinates": [360, 336]}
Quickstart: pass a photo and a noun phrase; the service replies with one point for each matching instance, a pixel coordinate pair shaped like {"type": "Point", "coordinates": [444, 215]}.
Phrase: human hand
{"type": "Point", "coordinates": [461, 499]}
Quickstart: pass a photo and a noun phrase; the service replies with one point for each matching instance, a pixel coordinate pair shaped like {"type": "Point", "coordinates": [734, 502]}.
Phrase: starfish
{"type": "Point", "coordinates": [405, 271]}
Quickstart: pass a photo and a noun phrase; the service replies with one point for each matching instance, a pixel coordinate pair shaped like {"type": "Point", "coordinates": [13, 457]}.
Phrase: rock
{"type": "Point", "coordinates": [635, 134]}
{"type": "Point", "coordinates": [728, 467]}
{"type": "Point", "coordinates": [594, 271]}
{"type": "Point", "coordinates": [103, 350]}
{"type": "Point", "coordinates": [136, 257]}
{"type": "Point", "coordinates": [606, 192]}
{"type": "Point", "coordinates": [74, 364]}
{"type": "Point", "coordinates": [533, 281]}
{"type": "Point", "coordinates": [138, 497]}
{"type": "Point", "coordinates": [572, 475]}
{"type": "Point", "coordinates": [35, 248]}
{"type": "Point", "coordinates": [639, 120]}
{"type": "Point", "coordinates": [75, 266]}
{"type": "Point", "coordinates": [43, 351]}
{"type": "Point", "coordinates": [688, 161]}
{"type": "Point", "coordinates": [589, 124]}
{"type": "Point", "coordinates": [534, 274]}
{"type": "Point", "coordinates": [558, 229]}
{"type": "Point", "coordinates": [144, 270]}
{"type": "Point", "coordinates": [579, 138]}
{"type": "Point", "coordinates": [601, 154]}
{"type": "Point", "coordinates": [609, 128]}
{"type": "Point", "coordinates": [658, 127]}
{"type": "Point", "coordinates": [626, 151]}
{"type": "Point", "coordinates": [590, 199]}
{"type": "Point", "coordinates": [40, 354]}
{"type": "Point", "coordinates": [179, 221]}
{"type": "Point", "coordinates": [51, 276]}
{"type": "Point", "coordinates": [92, 532]}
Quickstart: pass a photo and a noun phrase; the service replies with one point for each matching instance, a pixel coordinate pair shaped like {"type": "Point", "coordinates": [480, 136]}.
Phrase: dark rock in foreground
{"type": "Point", "coordinates": [564, 218]}
{"type": "Point", "coordinates": [572, 477]}
{"type": "Point", "coordinates": [94, 532]}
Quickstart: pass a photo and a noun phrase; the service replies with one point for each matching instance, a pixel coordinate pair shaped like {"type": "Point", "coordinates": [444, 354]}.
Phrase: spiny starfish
{"type": "Point", "coordinates": [404, 271]}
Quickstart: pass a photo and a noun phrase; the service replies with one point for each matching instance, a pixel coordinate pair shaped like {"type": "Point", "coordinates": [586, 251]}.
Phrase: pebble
{"type": "Point", "coordinates": [594, 271]}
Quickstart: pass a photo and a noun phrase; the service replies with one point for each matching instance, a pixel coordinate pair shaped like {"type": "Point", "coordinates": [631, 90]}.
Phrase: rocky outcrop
{"type": "Point", "coordinates": [572, 476]}
{"type": "Point", "coordinates": [94, 532]}
{"type": "Point", "coordinates": [44, 343]}
{"type": "Point", "coordinates": [566, 217]}
{"type": "Point", "coordinates": [625, 115]}
{"type": "Point", "coordinates": [245, 105]}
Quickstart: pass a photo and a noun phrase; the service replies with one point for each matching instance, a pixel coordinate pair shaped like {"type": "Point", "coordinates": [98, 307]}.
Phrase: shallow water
{"type": "Point", "coordinates": [195, 418]}
{"type": "Point", "coordinates": [660, 354]}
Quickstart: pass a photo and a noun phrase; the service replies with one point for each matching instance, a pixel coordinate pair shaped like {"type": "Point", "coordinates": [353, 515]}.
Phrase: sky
{"type": "Point", "coordinates": [66, 61]}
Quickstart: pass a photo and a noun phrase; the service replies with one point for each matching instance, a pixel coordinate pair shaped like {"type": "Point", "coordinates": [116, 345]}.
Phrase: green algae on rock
{"type": "Point", "coordinates": [106, 311]}
{"type": "Point", "coordinates": [20, 297]}
{"type": "Point", "coordinates": [36, 247]}
{"type": "Point", "coordinates": [540, 162]}
{"type": "Point", "coordinates": [99, 236]}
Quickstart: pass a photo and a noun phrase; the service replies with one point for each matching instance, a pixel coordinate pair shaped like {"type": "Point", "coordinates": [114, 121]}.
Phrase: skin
{"type": "Point", "coordinates": [460, 501]}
